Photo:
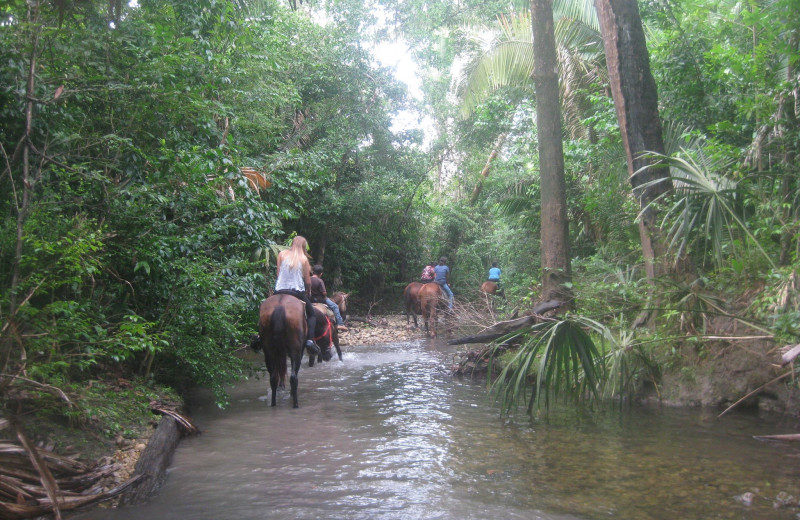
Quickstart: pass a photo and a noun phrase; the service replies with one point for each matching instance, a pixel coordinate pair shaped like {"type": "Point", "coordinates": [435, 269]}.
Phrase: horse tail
{"type": "Point", "coordinates": [279, 345]}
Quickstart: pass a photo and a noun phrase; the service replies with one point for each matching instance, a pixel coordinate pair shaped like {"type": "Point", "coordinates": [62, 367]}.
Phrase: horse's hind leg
{"type": "Point", "coordinates": [273, 383]}
{"type": "Point", "coordinates": [293, 382]}
{"type": "Point", "coordinates": [297, 358]}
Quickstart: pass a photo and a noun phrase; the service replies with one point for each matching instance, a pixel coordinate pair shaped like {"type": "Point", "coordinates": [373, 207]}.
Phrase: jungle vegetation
{"type": "Point", "coordinates": [155, 156]}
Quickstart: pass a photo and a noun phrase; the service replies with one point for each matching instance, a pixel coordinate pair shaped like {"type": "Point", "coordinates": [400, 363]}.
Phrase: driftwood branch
{"type": "Point", "coordinates": [35, 482]}
{"type": "Point", "coordinates": [790, 355]}
{"type": "Point", "coordinates": [754, 392]}
{"type": "Point", "coordinates": [783, 437]}
{"type": "Point", "coordinates": [502, 328]}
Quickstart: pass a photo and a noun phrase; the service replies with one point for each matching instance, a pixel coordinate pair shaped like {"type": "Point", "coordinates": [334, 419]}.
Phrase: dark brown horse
{"type": "Point", "coordinates": [282, 331]}
{"type": "Point", "coordinates": [411, 300]}
{"type": "Point", "coordinates": [340, 299]}
{"type": "Point", "coordinates": [431, 300]}
{"type": "Point", "coordinates": [325, 334]}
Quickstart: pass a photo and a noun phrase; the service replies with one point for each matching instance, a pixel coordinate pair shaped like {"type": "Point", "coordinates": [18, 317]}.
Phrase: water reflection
{"type": "Point", "coordinates": [389, 434]}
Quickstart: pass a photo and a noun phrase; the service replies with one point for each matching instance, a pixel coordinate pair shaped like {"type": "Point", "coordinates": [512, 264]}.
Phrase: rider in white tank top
{"type": "Point", "coordinates": [289, 278]}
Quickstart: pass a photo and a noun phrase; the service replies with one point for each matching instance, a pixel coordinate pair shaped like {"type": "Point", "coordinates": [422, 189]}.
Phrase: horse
{"type": "Point", "coordinates": [411, 300]}
{"type": "Point", "coordinates": [488, 290]}
{"type": "Point", "coordinates": [489, 287]}
{"type": "Point", "coordinates": [282, 329]}
{"type": "Point", "coordinates": [431, 298]}
{"type": "Point", "coordinates": [325, 334]}
{"type": "Point", "coordinates": [340, 299]}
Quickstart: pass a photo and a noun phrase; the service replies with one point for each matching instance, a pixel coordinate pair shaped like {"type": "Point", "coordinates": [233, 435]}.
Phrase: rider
{"type": "Point", "coordinates": [294, 278]}
{"type": "Point", "coordinates": [320, 295]}
{"type": "Point", "coordinates": [494, 273]}
{"type": "Point", "coordinates": [428, 273]}
{"type": "Point", "coordinates": [443, 278]}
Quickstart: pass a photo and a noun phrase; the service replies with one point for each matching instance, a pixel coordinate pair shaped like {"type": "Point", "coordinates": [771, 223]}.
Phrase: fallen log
{"type": "Point", "coordinates": [152, 464]}
{"type": "Point", "coordinates": [502, 328]}
{"type": "Point", "coordinates": [790, 356]}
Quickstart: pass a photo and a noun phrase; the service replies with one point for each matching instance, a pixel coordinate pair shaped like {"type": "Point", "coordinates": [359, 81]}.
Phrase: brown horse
{"type": "Point", "coordinates": [431, 299]}
{"type": "Point", "coordinates": [489, 287]}
{"type": "Point", "coordinates": [340, 299]}
{"type": "Point", "coordinates": [411, 300]}
{"type": "Point", "coordinates": [325, 334]}
{"type": "Point", "coordinates": [282, 330]}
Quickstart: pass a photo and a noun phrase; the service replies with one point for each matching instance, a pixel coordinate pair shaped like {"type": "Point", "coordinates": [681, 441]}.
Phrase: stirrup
{"type": "Point", "coordinates": [312, 347]}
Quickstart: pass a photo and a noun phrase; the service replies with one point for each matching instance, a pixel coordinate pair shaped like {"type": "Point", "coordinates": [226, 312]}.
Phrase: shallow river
{"type": "Point", "coordinates": [390, 434]}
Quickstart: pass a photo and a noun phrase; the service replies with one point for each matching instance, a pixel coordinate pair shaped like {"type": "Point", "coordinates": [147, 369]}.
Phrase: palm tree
{"type": "Point", "coordinates": [509, 61]}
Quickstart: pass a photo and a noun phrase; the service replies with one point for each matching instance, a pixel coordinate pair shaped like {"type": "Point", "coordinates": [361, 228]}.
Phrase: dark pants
{"type": "Point", "coordinates": [311, 318]}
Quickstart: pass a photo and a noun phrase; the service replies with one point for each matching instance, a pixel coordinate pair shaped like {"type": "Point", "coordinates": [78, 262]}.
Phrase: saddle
{"type": "Point", "coordinates": [325, 309]}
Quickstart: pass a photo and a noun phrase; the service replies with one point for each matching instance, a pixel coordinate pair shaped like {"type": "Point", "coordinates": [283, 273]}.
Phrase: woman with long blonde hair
{"type": "Point", "coordinates": [294, 278]}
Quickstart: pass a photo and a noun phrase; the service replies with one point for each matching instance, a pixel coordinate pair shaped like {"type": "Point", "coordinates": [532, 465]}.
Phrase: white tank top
{"type": "Point", "coordinates": [289, 278]}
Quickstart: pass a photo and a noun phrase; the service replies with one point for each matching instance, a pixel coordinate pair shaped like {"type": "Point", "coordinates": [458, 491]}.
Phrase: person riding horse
{"type": "Point", "coordinates": [320, 295]}
{"type": "Point", "coordinates": [428, 273]}
{"type": "Point", "coordinates": [294, 278]}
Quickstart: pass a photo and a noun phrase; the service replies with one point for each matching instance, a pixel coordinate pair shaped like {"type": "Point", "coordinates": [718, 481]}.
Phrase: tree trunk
{"type": "Point", "coordinates": [486, 169]}
{"type": "Point", "coordinates": [22, 207]}
{"type": "Point", "coordinates": [787, 125]}
{"type": "Point", "coordinates": [636, 101]}
{"type": "Point", "coordinates": [556, 271]}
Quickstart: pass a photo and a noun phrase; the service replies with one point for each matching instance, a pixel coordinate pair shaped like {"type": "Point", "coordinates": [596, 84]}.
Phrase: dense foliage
{"type": "Point", "coordinates": [133, 244]}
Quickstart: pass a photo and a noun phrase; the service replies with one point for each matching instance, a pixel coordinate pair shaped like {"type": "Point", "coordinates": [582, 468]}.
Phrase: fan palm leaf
{"type": "Point", "coordinates": [704, 209]}
{"type": "Point", "coordinates": [561, 358]}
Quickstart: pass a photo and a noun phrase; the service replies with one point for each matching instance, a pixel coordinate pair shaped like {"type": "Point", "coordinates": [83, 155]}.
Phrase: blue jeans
{"type": "Point", "coordinates": [335, 308]}
{"type": "Point", "coordinates": [448, 292]}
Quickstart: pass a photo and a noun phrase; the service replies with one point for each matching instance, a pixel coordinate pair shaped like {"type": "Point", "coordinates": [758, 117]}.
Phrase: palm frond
{"type": "Point", "coordinates": [507, 64]}
{"type": "Point", "coordinates": [556, 359]}
{"type": "Point", "coordinates": [582, 11]}
{"type": "Point", "coordinates": [704, 209]}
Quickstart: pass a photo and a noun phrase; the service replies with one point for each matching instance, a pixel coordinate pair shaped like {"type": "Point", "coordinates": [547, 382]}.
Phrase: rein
{"type": "Point", "coordinates": [327, 333]}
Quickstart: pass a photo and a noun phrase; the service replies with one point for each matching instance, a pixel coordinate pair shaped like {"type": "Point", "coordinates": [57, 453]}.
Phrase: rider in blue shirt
{"type": "Point", "coordinates": [494, 273]}
{"type": "Point", "coordinates": [443, 278]}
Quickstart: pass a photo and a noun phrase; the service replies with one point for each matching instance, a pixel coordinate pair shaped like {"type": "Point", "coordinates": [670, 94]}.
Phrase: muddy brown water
{"type": "Point", "coordinates": [390, 434]}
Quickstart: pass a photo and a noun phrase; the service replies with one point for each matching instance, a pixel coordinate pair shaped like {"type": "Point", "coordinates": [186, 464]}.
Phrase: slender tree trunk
{"type": "Point", "coordinates": [788, 126]}
{"type": "Point", "coordinates": [487, 168]}
{"type": "Point", "coordinates": [321, 245]}
{"type": "Point", "coordinates": [22, 208]}
{"type": "Point", "coordinates": [636, 101]}
{"type": "Point", "coordinates": [556, 270]}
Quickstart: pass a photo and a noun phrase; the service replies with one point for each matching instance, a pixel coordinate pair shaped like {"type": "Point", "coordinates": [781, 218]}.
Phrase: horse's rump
{"type": "Point", "coordinates": [489, 287]}
{"type": "Point", "coordinates": [282, 326]}
{"type": "Point", "coordinates": [429, 295]}
{"type": "Point", "coordinates": [411, 297]}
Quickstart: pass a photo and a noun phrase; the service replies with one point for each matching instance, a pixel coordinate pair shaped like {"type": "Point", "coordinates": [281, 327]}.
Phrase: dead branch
{"type": "Point", "coordinates": [506, 327]}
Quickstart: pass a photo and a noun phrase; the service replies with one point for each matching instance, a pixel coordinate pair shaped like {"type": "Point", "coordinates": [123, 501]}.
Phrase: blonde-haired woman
{"type": "Point", "coordinates": [294, 278]}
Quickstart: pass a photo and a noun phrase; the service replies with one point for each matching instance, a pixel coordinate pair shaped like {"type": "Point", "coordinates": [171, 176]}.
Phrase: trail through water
{"type": "Point", "coordinates": [390, 434]}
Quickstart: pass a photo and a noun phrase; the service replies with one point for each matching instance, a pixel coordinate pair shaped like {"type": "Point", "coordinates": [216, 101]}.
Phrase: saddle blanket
{"type": "Point", "coordinates": [325, 309]}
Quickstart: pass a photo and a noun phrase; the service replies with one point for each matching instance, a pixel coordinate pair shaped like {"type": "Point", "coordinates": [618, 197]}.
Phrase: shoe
{"type": "Point", "coordinates": [341, 327]}
{"type": "Point", "coordinates": [313, 348]}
